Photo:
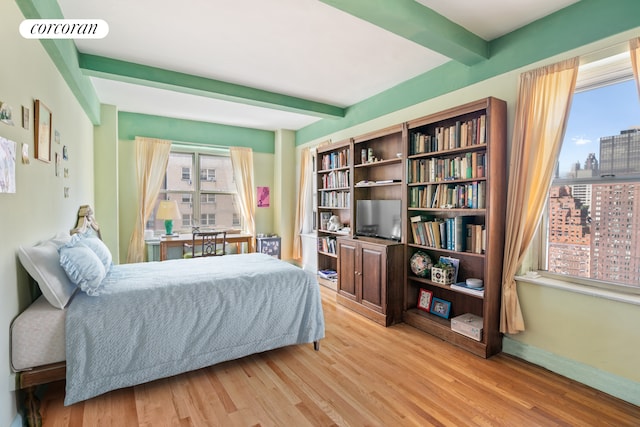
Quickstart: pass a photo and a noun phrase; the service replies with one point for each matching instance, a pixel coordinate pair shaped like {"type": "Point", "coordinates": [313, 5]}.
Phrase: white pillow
{"type": "Point", "coordinates": [99, 248]}
{"type": "Point", "coordinates": [42, 262]}
{"type": "Point", "coordinates": [83, 266]}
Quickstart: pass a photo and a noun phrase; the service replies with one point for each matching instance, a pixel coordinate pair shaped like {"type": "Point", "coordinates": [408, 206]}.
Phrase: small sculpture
{"type": "Point", "coordinates": [334, 223]}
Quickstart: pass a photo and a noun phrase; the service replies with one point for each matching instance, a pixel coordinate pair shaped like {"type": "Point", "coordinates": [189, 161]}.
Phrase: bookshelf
{"type": "Point", "coordinates": [371, 268]}
{"type": "Point", "coordinates": [334, 173]}
{"type": "Point", "coordinates": [456, 194]}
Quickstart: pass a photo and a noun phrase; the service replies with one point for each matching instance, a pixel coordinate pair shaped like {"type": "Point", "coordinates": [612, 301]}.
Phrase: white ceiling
{"type": "Point", "coordinates": [301, 48]}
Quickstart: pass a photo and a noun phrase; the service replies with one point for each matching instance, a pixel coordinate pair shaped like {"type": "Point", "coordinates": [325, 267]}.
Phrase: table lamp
{"type": "Point", "coordinates": [168, 210]}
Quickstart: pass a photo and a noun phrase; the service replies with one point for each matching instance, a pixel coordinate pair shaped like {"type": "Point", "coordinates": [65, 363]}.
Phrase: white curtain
{"type": "Point", "coordinates": [303, 200]}
{"type": "Point", "coordinates": [634, 50]}
{"type": "Point", "coordinates": [544, 100]}
{"type": "Point", "coordinates": [152, 157]}
{"type": "Point", "coordinates": [242, 163]}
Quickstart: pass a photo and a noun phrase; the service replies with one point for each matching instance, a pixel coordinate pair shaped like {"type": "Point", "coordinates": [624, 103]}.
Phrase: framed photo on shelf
{"type": "Point", "coordinates": [424, 300]}
{"type": "Point", "coordinates": [42, 134]}
{"type": "Point", "coordinates": [440, 307]}
{"type": "Point", "coordinates": [324, 220]}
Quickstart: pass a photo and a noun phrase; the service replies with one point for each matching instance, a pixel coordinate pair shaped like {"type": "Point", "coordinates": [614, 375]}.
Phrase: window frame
{"type": "Point", "coordinates": [614, 69]}
{"type": "Point", "coordinates": [196, 193]}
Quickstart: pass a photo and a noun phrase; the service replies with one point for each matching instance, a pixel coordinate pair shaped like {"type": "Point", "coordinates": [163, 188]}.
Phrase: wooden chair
{"type": "Point", "coordinates": [207, 243]}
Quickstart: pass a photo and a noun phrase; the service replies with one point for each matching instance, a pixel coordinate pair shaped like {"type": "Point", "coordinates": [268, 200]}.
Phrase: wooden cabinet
{"type": "Point", "coordinates": [371, 277]}
{"type": "Point", "coordinates": [456, 196]}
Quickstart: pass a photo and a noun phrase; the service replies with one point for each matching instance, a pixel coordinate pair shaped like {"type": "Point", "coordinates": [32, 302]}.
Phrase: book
{"type": "Point", "coordinates": [328, 274]}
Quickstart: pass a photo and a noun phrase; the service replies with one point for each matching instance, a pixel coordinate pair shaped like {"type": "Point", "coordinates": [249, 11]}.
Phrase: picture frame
{"type": "Point", "coordinates": [424, 300]}
{"type": "Point", "coordinates": [42, 132]}
{"type": "Point", "coordinates": [324, 220]}
{"type": "Point", "coordinates": [440, 307]}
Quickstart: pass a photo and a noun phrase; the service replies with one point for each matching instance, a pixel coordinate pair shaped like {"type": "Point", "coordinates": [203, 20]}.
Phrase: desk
{"type": "Point", "coordinates": [172, 247]}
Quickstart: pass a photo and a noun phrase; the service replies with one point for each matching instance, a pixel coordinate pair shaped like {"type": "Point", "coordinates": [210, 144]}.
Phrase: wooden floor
{"type": "Point", "coordinates": [364, 374]}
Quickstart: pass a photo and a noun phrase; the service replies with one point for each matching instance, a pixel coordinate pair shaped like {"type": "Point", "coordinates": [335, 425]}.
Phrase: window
{"type": "Point", "coordinates": [205, 203]}
{"type": "Point", "coordinates": [592, 221]}
{"type": "Point", "coordinates": [186, 174]}
{"type": "Point", "coordinates": [208, 175]}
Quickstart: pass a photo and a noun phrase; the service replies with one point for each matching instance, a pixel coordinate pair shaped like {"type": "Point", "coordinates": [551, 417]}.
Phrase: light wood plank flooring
{"type": "Point", "coordinates": [364, 374]}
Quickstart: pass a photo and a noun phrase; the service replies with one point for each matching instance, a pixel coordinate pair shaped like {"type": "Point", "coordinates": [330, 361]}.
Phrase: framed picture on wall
{"type": "Point", "coordinates": [42, 134]}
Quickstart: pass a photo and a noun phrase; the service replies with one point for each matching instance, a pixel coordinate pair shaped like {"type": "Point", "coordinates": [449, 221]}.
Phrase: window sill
{"type": "Point", "coordinates": [537, 279]}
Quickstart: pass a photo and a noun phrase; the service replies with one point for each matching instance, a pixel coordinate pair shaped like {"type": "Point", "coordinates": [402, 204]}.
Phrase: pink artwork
{"type": "Point", "coordinates": [263, 197]}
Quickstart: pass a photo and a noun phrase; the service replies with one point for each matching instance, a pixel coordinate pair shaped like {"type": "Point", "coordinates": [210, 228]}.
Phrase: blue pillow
{"type": "Point", "coordinates": [83, 267]}
{"type": "Point", "coordinates": [100, 249]}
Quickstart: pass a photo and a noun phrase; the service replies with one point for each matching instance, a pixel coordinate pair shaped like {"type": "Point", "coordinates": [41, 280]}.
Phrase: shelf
{"type": "Point", "coordinates": [334, 207]}
{"type": "Point", "coordinates": [452, 211]}
{"type": "Point", "coordinates": [457, 253]}
{"type": "Point", "coordinates": [440, 285]}
{"type": "Point", "coordinates": [448, 181]}
{"type": "Point", "coordinates": [441, 328]}
{"type": "Point", "coordinates": [379, 163]}
{"type": "Point", "coordinates": [445, 153]}
{"type": "Point", "coordinates": [334, 169]}
{"type": "Point", "coordinates": [327, 254]}
{"type": "Point", "coordinates": [375, 184]}
{"type": "Point", "coordinates": [335, 189]}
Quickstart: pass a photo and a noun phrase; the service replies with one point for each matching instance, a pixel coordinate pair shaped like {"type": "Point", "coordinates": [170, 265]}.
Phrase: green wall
{"type": "Point", "coordinates": [38, 209]}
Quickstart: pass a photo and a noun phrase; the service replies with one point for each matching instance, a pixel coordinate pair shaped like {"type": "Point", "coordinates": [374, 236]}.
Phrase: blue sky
{"type": "Point", "coordinates": [596, 113]}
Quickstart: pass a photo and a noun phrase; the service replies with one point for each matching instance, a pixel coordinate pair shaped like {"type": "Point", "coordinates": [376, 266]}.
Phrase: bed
{"type": "Point", "coordinates": [135, 323]}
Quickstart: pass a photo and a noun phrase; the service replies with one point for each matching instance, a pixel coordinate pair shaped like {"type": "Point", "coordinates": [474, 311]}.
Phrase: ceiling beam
{"type": "Point", "coordinates": [418, 23]}
{"type": "Point", "coordinates": [113, 69]}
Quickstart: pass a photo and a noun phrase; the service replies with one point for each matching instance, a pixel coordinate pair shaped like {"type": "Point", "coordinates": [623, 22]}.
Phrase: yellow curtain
{"type": "Point", "coordinates": [303, 200]}
{"type": "Point", "coordinates": [544, 100]}
{"type": "Point", "coordinates": [152, 157]}
{"type": "Point", "coordinates": [242, 163]}
{"type": "Point", "coordinates": [634, 50]}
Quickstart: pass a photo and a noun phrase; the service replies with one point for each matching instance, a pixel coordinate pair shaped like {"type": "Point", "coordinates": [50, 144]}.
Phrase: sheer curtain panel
{"type": "Point", "coordinates": [242, 162]}
{"type": "Point", "coordinates": [544, 100]}
{"type": "Point", "coordinates": [152, 156]}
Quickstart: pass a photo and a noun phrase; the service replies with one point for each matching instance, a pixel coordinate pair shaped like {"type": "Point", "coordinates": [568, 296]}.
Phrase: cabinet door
{"type": "Point", "coordinates": [347, 269]}
{"type": "Point", "coordinates": [373, 271]}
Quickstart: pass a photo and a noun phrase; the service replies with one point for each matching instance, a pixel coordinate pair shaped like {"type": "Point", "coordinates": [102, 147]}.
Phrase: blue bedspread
{"type": "Point", "coordinates": [159, 319]}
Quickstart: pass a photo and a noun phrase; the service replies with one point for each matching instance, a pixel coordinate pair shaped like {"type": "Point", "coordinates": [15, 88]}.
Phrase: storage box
{"type": "Point", "coordinates": [469, 325]}
{"type": "Point", "coordinates": [443, 276]}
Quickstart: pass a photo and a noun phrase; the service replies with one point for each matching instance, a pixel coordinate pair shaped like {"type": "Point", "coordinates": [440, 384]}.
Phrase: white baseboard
{"type": "Point", "coordinates": [606, 382]}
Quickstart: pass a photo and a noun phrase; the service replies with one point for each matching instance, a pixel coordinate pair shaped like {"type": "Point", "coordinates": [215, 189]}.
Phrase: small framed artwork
{"type": "Point", "coordinates": [424, 300]}
{"type": "Point", "coordinates": [42, 139]}
{"type": "Point", "coordinates": [324, 220]}
{"type": "Point", "coordinates": [440, 307]}
{"type": "Point", "coordinates": [25, 117]}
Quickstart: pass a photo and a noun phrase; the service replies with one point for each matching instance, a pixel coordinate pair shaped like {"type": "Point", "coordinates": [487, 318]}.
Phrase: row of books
{"type": "Point", "coordinates": [336, 159]}
{"type": "Point", "coordinates": [327, 245]}
{"type": "Point", "coordinates": [468, 166]}
{"type": "Point", "coordinates": [460, 134]}
{"type": "Point", "coordinates": [470, 195]}
{"type": "Point", "coordinates": [335, 199]}
{"type": "Point", "coordinates": [335, 179]}
{"type": "Point", "coordinates": [455, 234]}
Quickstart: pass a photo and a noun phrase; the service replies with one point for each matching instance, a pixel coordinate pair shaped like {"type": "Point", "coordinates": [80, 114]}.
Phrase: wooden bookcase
{"type": "Point", "coordinates": [334, 172]}
{"type": "Point", "coordinates": [370, 268]}
{"type": "Point", "coordinates": [456, 172]}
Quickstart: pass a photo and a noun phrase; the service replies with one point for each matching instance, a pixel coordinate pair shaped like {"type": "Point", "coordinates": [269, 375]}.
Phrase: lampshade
{"type": "Point", "coordinates": [168, 209]}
